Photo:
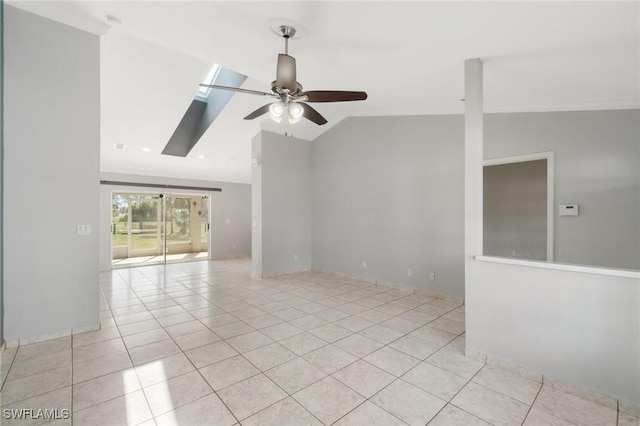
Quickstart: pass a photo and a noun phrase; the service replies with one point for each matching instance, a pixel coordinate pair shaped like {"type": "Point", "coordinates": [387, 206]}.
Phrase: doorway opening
{"type": "Point", "coordinates": [518, 200]}
{"type": "Point", "coordinates": [152, 228]}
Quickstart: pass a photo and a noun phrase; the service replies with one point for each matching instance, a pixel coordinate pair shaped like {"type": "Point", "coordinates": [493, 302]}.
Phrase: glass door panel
{"type": "Point", "coordinates": [178, 218]}
{"type": "Point", "coordinates": [204, 223]}
{"type": "Point", "coordinates": [120, 226]}
{"type": "Point", "coordinates": [145, 225]}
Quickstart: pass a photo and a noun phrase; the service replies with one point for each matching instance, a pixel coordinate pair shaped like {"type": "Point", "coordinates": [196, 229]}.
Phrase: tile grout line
{"type": "Point", "coordinates": [194, 366]}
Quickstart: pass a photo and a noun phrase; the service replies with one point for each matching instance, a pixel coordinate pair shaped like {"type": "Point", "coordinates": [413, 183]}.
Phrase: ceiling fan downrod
{"type": "Point", "coordinates": [287, 33]}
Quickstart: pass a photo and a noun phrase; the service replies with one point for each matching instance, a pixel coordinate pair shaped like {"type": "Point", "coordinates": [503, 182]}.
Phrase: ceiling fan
{"type": "Point", "coordinates": [288, 94]}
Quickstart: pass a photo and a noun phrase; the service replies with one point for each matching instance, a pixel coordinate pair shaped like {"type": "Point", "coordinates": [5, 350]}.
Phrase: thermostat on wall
{"type": "Point", "coordinates": [568, 210]}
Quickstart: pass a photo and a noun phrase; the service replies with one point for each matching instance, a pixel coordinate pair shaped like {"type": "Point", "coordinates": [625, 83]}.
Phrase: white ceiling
{"type": "Point", "coordinates": [539, 56]}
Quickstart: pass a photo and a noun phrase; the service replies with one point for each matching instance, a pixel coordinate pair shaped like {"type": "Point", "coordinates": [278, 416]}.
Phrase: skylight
{"type": "Point", "coordinates": [211, 78]}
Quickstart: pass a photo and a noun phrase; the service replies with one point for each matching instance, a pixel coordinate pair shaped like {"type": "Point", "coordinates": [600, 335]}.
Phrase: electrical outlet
{"type": "Point", "coordinates": [432, 276]}
{"type": "Point", "coordinates": [409, 272]}
{"type": "Point", "coordinates": [364, 264]}
{"type": "Point", "coordinates": [83, 230]}
{"type": "Point", "coordinates": [295, 257]}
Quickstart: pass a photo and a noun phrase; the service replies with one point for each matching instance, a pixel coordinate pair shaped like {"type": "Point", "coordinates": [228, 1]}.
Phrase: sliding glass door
{"type": "Point", "coordinates": [159, 228]}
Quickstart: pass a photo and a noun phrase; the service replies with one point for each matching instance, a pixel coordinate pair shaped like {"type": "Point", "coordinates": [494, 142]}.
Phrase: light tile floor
{"type": "Point", "coordinates": [205, 343]}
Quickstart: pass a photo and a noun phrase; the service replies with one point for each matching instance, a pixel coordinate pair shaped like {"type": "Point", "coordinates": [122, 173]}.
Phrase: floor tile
{"type": "Point", "coordinates": [448, 325]}
{"type": "Point", "coordinates": [627, 420]}
{"type": "Point", "coordinates": [86, 370]}
{"type": "Point", "coordinates": [435, 380]}
{"type": "Point", "coordinates": [329, 358]}
{"type": "Point", "coordinates": [455, 363]}
{"type": "Point", "coordinates": [129, 409]}
{"type": "Point", "coordinates": [269, 356]}
{"type": "Point", "coordinates": [284, 413]}
{"type": "Point", "coordinates": [249, 341]}
{"type": "Point", "coordinates": [358, 345]}
{"type": "Point", "coordinates": [354, 323]}
{"type": "Point", "coordinates": [295, 375]}
{"type": "Point", "coordinates": [508, 383]}
{"type": "Point", "coordinates": [139, 327]}
{"type": "Point", "coordinates": [309, 322]}
{"type": "Point", "coordinates": [153, 351]}
{"type": "Point", "coordinates": [409, 403]}
{"type": "Point", "coordinates": [234, 329]}
{"type": "Point", "coordinates": [39, 364]}
{"type": "Point", "coordinates": [176, 392]}
{"type": "Point", "coordinates": [453, 416]}
{"type": "Point", "coordinates": [104, 388]}
{"type": "Point", "coordinates": [328, 399]}
{"type": "Point", "coordinates": [573, 408]}
{"type": "Point", "coordinates": [381, 334]}
{"type": "Point", "coordinates": [490, 406]}
{"type": "Point", "coordinates": [227, 372]}
{"type": "Point", "coordinates": [163, 369]}
{"type": "Point", "coordinates": [537, 417]}
{"type": "Point", "coordinates": [34, 350]}
{"type": "Point", "coordinates": [415, 347]}
{"type": "Point", "coordinates": [433, 335]}
{"type": "Point", "coordinates": [219, 320]}
{"type": "Point", "coordinates": [185, 328]}
{"type": "Point", "coordinates": [364, 378]}
{"type": "Point", "coordinates": [96, 350]}
{"type": "Point", "coordinates": [281, 331]}
{"type": "Point", "coordinates": [418, 317]}
{"type": "Point", "coordinates": [89, 337]}
{"type": "Point", "coordinates": [331, 314]}
{"type": "Point", "coordinates": [197, 339]}
{"type": "Point", "coordinates": [36, 384]}
{"type": "Point", "coordinates": [302, 343]}
{"type": "Point", "coordinates": [392, 360]}
{"type": "Point", "coordinates": [330, 333]}
{"type": "Point", "coordinates": [263, 321]}
{"type": "Point", "coordinates": [208, 354]}
{"type": "Point", "coordinates": [209, 409]}
{"type": "Point", "coordinates": [132, 318]}
{"type": "Point", "coordinates": [369, 414]}
{"type": "Point", "coordinates": [145, 338]}
{"type": "Point", "coordinates": [402, 325]}
{"type": "Point", "coordinates": [251, 395]}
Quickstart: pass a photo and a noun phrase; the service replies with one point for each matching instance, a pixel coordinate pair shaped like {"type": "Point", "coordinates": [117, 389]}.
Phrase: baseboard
{"type": "Point", "coordinates": [583, 392]}
{"type": "Point", "coordinates": [50, 336]}
{"type": "Point", "coordinates": [395, 286]}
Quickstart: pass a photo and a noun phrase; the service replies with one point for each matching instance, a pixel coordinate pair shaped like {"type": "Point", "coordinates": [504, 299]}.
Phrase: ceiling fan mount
{"type": "Point", "coordinates": [289, 97]}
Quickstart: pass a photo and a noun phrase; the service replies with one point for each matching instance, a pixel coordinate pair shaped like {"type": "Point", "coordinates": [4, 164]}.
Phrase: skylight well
{"type": "Point", "coordinates": [203, 92]}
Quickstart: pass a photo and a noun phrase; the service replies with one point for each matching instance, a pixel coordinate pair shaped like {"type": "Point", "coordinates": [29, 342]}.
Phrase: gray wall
{"type": "Point", "coordinates": [1, 170]}
{"type": "Point", "coordinates": [389, 191]}
{"type": "Point", "coordinates": [284, 185]}
{"type": "Point", "coordinates": [597, 165]}
{"type": "Point", "coordinates": [515, 210]}
{"type": "Point", "coordinates": [233, 203]}
{"type": "Point", "coordinates": [52, 155]}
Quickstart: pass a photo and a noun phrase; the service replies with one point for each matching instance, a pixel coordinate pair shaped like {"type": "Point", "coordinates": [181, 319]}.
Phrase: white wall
{"type": "Point", "coordinates": [597, 165]}
{"type": "Point", "coordinates": [579, 327]}
{"type": "Point", "coordinates": [52, 148]}
{"type": "Point", "coordinates": [389, 191]}
{"type": "Point", "coordinates": [232, 204]}
{"type": "Point", "coordinates": [282, 187]}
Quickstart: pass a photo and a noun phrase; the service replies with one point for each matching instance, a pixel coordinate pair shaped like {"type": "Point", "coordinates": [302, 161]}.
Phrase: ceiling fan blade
{"type": "Point", "coordinates": [257, 113]}
{"type": "Point", "coordinates": [238, 89]}
{"type": "Point", "coordinates": [286, 72]}
{"type": "Point", "coordinates": [333, 96]}
{"type": "Point", "coordinates": [311, 114]}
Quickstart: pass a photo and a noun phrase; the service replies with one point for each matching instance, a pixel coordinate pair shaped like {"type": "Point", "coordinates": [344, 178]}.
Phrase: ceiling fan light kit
{"type": "Point", "coordinates": [290, 99]}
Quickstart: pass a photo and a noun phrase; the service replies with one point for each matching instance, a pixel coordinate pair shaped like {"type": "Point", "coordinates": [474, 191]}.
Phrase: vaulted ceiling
{"type": "Point", "coordinates": [538, 56]}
